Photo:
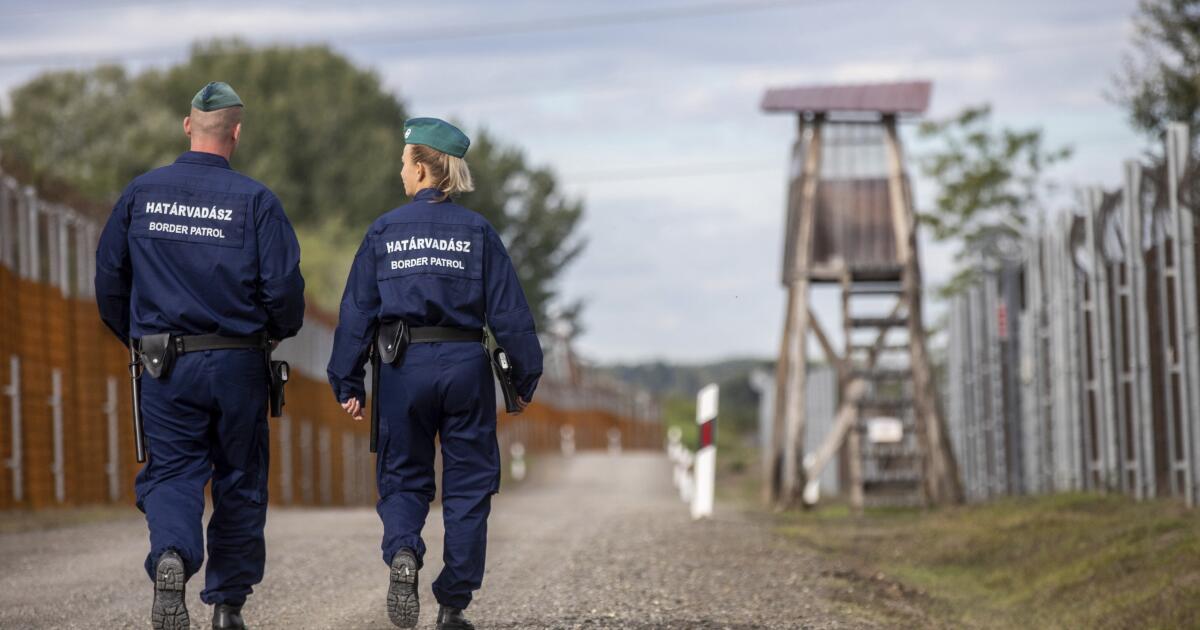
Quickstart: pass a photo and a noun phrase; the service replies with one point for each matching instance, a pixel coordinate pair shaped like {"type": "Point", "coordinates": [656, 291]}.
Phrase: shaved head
{"type": "Point", "coordinates": [216, 132]}
{"type": "Point", "coordinates": [218, 124]}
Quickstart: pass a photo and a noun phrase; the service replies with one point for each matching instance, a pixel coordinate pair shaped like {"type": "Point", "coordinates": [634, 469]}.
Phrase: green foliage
{"type": "Point", "coordinates": [537, 222]}
{"type": "Point", "coordinates": [1160, 82]}
{"type": "Point", "coordinates": [739, 406]}
{"type": "Point", "coordinates": [989, 184]}
{"type": "Point", "coordinates": [323, 134]}
{"type": "Point", "coordinates": [327, 248]}
{"type": "Point", "coordinates": [680, 411]}
{"type": "Point", "coordinates": [79, 127]}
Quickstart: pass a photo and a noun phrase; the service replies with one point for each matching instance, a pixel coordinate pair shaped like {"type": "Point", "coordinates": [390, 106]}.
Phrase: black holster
{"type": "Point", "coordinates": [158, 354]}
{"type": "Point", "coordinates": [502, 367]}
{"type": "Point", "coordinates": [279, 372]}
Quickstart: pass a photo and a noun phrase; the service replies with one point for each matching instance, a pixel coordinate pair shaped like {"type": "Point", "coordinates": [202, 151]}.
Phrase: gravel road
{"type": "Point", "coordinates": [594, 541]}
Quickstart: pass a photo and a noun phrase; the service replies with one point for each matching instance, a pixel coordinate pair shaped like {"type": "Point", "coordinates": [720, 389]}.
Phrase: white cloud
{"type": "Point", "coordinates": [685, 267]}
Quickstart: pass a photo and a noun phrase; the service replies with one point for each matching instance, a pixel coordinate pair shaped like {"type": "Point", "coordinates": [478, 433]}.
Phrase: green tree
{"type": "Point", "coordinates": [537, 222]}
{"type": "Point", "coordinates": [1160, 80]}
{"type": "Point", "coordinates": [325, 135]}
{"type": "Point", "coordinates": [990, 183]}
{"type": "Point", "coordinates": [78, 128]}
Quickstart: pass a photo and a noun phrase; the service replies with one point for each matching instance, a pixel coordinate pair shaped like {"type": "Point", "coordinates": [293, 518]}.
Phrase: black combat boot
{"type": "Point", "coordinates": [452, 619]}
{"type": "Point", "coordinates": [403, 605]}
{"type": "Point", "coordinates": [169, 611]}
{"type": "Point", "coordinates": [228, 617]}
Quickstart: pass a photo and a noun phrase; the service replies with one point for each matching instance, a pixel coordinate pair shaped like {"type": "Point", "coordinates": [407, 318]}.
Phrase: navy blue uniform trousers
{"type": "Point", "coordinates": [208, 419]}
{"type": "Point", "coordinates": [442, 390]}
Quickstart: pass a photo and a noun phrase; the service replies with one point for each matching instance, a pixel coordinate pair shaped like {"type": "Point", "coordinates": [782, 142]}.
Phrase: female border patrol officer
{"type": "Point", "coordinates": [442, 270]}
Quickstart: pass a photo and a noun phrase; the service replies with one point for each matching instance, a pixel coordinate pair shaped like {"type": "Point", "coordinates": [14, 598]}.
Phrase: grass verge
{"type": "Point", "coordinates": [1064, 561]}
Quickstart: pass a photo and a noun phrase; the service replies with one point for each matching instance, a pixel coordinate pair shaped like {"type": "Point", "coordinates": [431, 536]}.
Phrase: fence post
{"type": "Point", "coordinates": [1034, 435]}
{"type": "Point", "coordinates": [977, 419]}
{"type": "Point", "coordinates": [306, 463]}
{"type": "Point", "coordinates": [1008, 331]}
{"type": "Point", "coordinates": [997, 455]}
{"type": "Point", "coordinates": [1183, 253]}
{"type": "Point", "coordinates": [34, 250]}
{"type": "Point", "coordinates": [52, 261]}
{"type": "Point", "coordinates": [84, 258]}
{"type": "Point", "coordinates": [1137, 382]}
{"type": "Point", "coordinates": [62, 251]}
{"type": "Point", "coordinates": [325, 457]}
{"type": "Point", "coordinates": [1104, 450]}
{"type": "Point", "coordinates": [15, 463]}
{"type": "Point", "coordinates": [954, 388]}
{"type": "Point", "coordinates": [112, 467]}
{"type": "Point", "coordinates": [25, 234]}
{"type": "Point", "coordinates": [349, 470]}
{"type": "Point", "coordinates": [286, 470]}
{"type": "Point", "coordinates": [366, 469]}
{"type": "Point", "coordinates": [57, 466]}
{"type": "Point", "coordinates": [8, 223]}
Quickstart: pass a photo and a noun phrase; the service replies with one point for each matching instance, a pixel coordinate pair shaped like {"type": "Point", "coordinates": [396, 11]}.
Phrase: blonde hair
{"type": "Point", "coordinates": [452, 174]}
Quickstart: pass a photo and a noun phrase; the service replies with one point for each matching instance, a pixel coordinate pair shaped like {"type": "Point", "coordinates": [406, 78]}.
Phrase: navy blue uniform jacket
{"type": "Point", "coordinates": [213, 250]}
{"type": "Point", "coordinates": [432, 263]}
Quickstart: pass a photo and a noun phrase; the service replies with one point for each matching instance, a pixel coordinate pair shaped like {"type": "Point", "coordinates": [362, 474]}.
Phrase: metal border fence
{"type": "Point", "coordinates": [64, 430]}
{"type": "Point", "coordinates": [1077, 365]}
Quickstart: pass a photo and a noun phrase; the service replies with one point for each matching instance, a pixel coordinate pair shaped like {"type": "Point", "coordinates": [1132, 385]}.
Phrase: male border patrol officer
{"type": "Point", "coordinates": [442, 270]}
{"type": "Point", "coordinates": [206, 255]}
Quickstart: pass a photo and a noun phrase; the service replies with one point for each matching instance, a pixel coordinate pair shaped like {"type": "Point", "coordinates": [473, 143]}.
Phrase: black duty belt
{"type": "Point", "coordinates": [439, 334]}
{"type": "Point", "coordinates": [157, 352]}
{"type": "Point", "coordinates": [198, 343]}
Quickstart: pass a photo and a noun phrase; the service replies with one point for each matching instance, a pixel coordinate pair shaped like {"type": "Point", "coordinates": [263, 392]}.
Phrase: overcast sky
{"type": "Point", "coordinates": [649, 112]}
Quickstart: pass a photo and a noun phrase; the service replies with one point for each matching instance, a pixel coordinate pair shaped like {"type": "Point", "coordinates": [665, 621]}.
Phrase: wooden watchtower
{"type": "Point", "coordinates": [851, 225]}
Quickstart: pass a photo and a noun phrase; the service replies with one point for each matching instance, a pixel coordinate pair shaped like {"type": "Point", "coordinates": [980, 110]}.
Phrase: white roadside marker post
{"type": "Point", "coordinates": [812, 489]}
{"type": "Point", "coordinates": [687, 480]}
{"type": "Point", "coordinates": [706, 454]}
{"type": "Point", "coordinates": [614, 441]}
{"type": "Point", "coordinates": [517, 450]}
{"type": "Point", "coordinates": [674, 446]}
{"type": "Point", "coordinates": [567, 440]}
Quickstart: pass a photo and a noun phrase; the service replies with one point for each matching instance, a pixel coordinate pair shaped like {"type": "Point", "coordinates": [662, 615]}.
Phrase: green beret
{"type": "Point", "coordinates": [214, 96]}
{"type": "Point", "coordinates": [436, 134]}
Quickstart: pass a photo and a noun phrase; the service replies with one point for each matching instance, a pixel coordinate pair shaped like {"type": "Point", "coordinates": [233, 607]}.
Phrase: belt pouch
{"type": "Point", "coordinates": [392, 341]}
{"type": "Point", "coordinates": [158, 353]}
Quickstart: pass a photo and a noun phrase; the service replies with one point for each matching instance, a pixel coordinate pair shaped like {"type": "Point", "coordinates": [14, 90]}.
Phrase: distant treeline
{"type": "Point", "coordinates": [680, 381]}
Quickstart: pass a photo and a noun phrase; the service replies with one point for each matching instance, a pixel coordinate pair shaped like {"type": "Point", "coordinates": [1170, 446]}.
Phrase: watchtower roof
{"type": "Point", "coordinates": [904, 97]}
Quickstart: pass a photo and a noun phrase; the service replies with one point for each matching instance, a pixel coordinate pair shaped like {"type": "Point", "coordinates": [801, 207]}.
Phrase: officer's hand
{"type": "Point", "coordinates": [353, 408]}
{"type": "Point", "coordinates": [521, 404]}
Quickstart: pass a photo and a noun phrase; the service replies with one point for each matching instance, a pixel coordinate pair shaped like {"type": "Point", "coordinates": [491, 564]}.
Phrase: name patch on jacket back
{"type": "Point", "coordinates": [411, 248]}
{"type": "Point", "coordinates": [194, 217]}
